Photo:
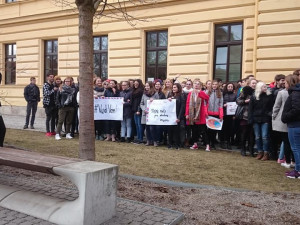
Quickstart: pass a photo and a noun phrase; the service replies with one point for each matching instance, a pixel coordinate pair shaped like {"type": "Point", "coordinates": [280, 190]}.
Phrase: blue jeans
{"type": "Point", "coordinates": [139, 126]}
{"type": "Point", "coordinates": [152, 132]}
{"type": "Point", "coordinates": [294, 138]}
{"type": "Point", "coordinates": [261, 131]}
{"type": "Point", "coordinates": [126, 127]}
{"type": "Point", "coordinates": [281, 153]}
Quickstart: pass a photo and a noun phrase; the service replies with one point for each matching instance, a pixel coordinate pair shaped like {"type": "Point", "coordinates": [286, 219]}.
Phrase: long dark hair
{"type": "Point", "coordinates": [179, 92]}
{"type": "Point", "coordinates": [151, 91]}
{"type": "Point", "coordinates": [225, 91]}
{"type": "Point", "coordinates": [140, 87]}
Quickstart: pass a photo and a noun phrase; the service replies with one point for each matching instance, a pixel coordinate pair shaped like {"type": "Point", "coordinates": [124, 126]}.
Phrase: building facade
{"type": "Point", "coordinates": [206, 39]}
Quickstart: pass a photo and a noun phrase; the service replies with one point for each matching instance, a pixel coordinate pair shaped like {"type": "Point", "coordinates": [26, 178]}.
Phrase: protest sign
{"type": "Point", "coordinates": [161, 112]}
{"type": "Point", "coordinates": [214, 123]}
{"type": "Point", "coordinates": [108, 109]}
{"type": "Point", "coordinates": [231, 108]}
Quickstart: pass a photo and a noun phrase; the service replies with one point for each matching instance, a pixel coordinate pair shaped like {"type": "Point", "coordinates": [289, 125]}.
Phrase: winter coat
{"type": "Point", "coordinates": [48, 95]}
{"type": "Point", "coordinates": [260, 111]}
{"type": "Point", "coordinates": [66, 97]}
{"type": "Point", "coordinates": [241, 100]}
{"type": "Point", "coordinates": [277, 124]}
{"type": "Point", "coordinates": [228, 97]}
{"type": "Point", "coordinates": [215, 105]}
{"type": "Point", "coordinates": [291, 110]}
{"type": "Point", "coordinates": [99, 92]}
{"type": "Point", "coordinates": [143, 105]}
{"type": "Point", "coordinates": [32, 93]}
{"type": "Point", "coordinates": [109, 93]}
{"type": "Point", "coordinates": [136, 98]}
{"type": "Point", "coordinates": [180, 106]}
{"type": "Point", "coordinates": [203, 109]}
{"type": "Point", "coordinates": [127, 112]}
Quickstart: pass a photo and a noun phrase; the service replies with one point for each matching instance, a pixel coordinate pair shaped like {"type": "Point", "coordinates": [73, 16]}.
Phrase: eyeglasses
{"type": "Point", "coordinates": [67, 81]}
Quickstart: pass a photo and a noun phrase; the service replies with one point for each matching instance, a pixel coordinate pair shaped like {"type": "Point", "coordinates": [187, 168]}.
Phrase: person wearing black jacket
{"type": "Point", "coordinates": [126, 127]}
{"type": "Point", "coordinates": [291, 116]}
{"type": "Point", "coordinates": [136, 97]}
{"type": "Point", "coordinates": [2, 129]}
{"type": "Point", "coordinates": [260, 112]}
{"type": "Point", "coordinates": [174, 130]}
{"type": "Point", "coordinates": [229, 95]}
{"type": "Point", "coordinates": [65, 101]}
{"type": "Point", "coordinates": [32, 97]}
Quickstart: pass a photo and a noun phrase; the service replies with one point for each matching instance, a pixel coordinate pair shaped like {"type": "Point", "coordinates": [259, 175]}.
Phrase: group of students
{"type": "Point", "coordinates": [269, 118]}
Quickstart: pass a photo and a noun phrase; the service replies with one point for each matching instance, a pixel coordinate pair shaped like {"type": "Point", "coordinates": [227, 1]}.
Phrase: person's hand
{"type": "Point", "coordinates": [225, 105]}
{"type": "Point", "coordinates": [221, 119]}
{"type": "Point", "coordinates": [187, 117]}
{"type": "Point", "coordinates": [177, 121]}
{"type": "Point", "coordinates": [138, 113]}
{"type": "Point", "coordinates": [102, 97]}
{"type": "Point", "coordinates": [114, 90]}
{"type": "Point", "coordinates": [128, 100]}
{"type": "Point", "coordinates": [248, 100]}
{"type": "Point", "coordinates": [55, 88]}
{"type": "Point", "coordinates": [146, 112]}
{"type": "Point", "coordinates": [151, 99]}
{"type": "Point", "coordinates": [170, 99]}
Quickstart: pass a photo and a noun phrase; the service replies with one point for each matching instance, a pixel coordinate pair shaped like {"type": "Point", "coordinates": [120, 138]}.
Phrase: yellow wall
{"type": "Point", "coordinates": [271, 41]}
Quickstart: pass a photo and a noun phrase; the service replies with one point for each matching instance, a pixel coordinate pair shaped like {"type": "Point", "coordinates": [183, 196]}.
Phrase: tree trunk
{"type": "Point", "coordinates": [86, 104]}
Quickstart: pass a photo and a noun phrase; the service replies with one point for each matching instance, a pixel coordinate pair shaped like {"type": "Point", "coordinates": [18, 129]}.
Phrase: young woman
{"type": "Point", "coordinates": [111, 125]}
{"type": "Point", "coordinates": [195, 113]}
{"type": "Point", "coordinates": [215, 109]}
{"type": "Point", "coordinates": [260, 111]}
{"type": "Point", "coordinates": [277, 124]}
{"type": "Point", "coordinates": [229, 95]}
{"type": "Point", "coordinates": [136, 97]}
{"type": "Point", "coordinates": [174, 131]}
{"type": "Point", "coordinates": [149, 94]}
{"type": "Point", "coordinates": [167, 87]}
{"type": "Point", "coordinates": [208, 85]}
{"type": "Point", "coordinates": [65, 100]}
{"type": "Point", "coordinates": [98, 93]}
{"type": "Point", "coordinates": [188, 87]}
{"type": "Point", "coordinates": [291, 116]}
{"type": "Point", "coordinates": [127, 112]}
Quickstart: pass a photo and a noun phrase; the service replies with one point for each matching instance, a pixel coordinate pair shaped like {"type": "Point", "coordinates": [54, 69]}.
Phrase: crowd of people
{"type": "Point", "coordinates": [266, 124]}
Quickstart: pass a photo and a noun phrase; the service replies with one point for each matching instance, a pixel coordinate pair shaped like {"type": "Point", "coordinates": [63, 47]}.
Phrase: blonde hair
{"type": "Point", "coordinates": [258, 90]}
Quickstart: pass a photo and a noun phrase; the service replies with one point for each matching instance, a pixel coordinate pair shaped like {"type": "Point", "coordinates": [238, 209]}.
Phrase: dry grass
{"type": "Point", "coordinates": [219, 168]}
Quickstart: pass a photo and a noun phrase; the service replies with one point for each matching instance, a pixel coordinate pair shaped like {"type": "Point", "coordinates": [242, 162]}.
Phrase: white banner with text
{"type": "Point", "coordinates": [108, 108]}
{"type": "Point", "coordinates": [161, 112]}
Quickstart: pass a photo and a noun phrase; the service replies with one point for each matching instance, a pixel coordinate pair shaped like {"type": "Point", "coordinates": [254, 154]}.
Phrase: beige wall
{"type": "Point", "coordinates": [271, 41]}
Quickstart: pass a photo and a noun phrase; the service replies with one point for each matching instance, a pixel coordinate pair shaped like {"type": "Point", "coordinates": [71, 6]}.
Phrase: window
{"type": "Point", "coordinates": [228, 51]}
{"type": "Point", "coordinates": [10, 63]}
{"type": "Point", "coordinates": [50, 62]}
{"type": "Point", "coordinates": [100, 56]}
{"type": "Point", "coordinates": [8, 1]}
{"type": "Point", "coordinates": [156, 55]}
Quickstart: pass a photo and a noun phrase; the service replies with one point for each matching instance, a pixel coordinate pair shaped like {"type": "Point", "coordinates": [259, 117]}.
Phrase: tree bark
{"type": "Point", "coordinates": [86, 105]}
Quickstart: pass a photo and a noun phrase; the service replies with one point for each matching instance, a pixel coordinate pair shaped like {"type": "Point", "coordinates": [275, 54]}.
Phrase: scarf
{"type": "Point", "coordinates": [194, 108]}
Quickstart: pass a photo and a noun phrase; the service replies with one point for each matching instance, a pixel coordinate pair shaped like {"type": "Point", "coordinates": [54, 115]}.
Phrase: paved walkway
{"type": "Point", "coordinates": [128, 212]}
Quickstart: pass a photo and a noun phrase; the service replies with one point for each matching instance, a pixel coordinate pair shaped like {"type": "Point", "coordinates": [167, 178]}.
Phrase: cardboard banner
{"type": "Point", "coordinates": [231, 108]}
{"type": "Point", "coordinates": [214, 123]}
{"type": "Point", "coordinates": [161, 112]}
{"type": "Point", "coordinates": [108, 109]}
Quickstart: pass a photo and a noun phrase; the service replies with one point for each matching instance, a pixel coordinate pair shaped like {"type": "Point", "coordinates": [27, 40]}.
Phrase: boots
{"type": "Point", "coordinates": [259, 155]}
{"type": "Point", "coordinates": [228, 146]}
{"type": "Point", "coordinates": [243, 151]}
{"type": "Point", "coordinates": [251, 150]}
{"type": "Point", "coordinates": [265, 157]}
{"type": "Point", "coordinates": [223, 145]}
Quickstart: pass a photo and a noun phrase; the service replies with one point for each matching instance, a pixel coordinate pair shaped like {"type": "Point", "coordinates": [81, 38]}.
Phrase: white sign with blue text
{"type": "Point", "coordinates": [161, 112]}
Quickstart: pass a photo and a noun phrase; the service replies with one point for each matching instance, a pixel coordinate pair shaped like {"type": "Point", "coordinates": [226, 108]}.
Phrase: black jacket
{"type": "Point", "coordinates": [228, 97]}
{"type": "Point", "coordinates": [66, 97]}
{"type": "Point", "coordinates": [291, 110]}
{"type": "Point", "coordinates": [136, 98]}
{"type": "Point", "coordinates": [180, 105]}
{"type": "Point", "coordinates": [32, 93]}
{"type": "Point", "coordinates": [109, 93]}
{"type": "Point", "coordinates": [260, 111]}
{"type": "Point", "coordinates": [127, 112]}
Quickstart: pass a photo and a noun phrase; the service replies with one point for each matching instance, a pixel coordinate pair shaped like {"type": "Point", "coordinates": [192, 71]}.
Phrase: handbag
{"type": "Point", "coordinates": [239, 112]}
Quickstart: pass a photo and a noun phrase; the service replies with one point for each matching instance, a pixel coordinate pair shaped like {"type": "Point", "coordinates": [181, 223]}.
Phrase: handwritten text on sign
{"type": "Point", "coordinates": [108, 109]}
{"type": "Point", "coordinates": [161, 112]}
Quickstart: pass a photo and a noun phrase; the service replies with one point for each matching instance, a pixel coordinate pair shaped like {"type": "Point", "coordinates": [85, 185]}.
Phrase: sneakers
{"type": "Point", "coordinates": [31, 127]}
{"type": "Point", "coordinates": [48, 134]}
{"type": "Point", "coordinates": [293, 174]}
{"type": "Point", "coordinates": [25, 127]}
{"type": "Point", "coordinates": [57, 137]}
{"type": "Point", "coordinates": [68, 136]}
{"type": "Point", "coordinates": [280, 160]}
{"type": "Point", "coordinates": [53, 133]}
{"type": "Point", "coordinates": [286, 165]}
{"type": "Point", "coordinates": [155, 144]}
{"type": "Point", "coordinates": [207, 148]}
{"type": "Point", "coordinates": [195, 146]}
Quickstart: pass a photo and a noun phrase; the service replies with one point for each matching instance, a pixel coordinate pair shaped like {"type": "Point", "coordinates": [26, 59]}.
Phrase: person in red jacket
{"type": "Point", "coordinates": [195, 113]}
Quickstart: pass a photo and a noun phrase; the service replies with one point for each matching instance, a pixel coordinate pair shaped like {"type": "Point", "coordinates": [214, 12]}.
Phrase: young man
{"type": "Point", "coordinates": [32, 97]}
{"type": "Point", "coordinates": [49, 104]}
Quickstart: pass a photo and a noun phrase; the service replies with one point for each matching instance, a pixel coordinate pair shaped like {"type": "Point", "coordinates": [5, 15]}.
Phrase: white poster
{"type": "Point", "coordinates": [108, 108]}
{"type": "Point", "coordinates": [214, 123]}
{"type": "Point", "coordinates": [231, 108]}
{"type": "Point", "coordinates": [161, 112]}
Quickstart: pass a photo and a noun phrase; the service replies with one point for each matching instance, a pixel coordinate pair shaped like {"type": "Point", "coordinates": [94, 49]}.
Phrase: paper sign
{"type": "Point", "coordinates": [108, 109]}
{"type": "Point", "coordinates": [161, 112]}
{"type": "Point", "coordinates": [214, 123]}
{"type": "Point", "coordinates": [231, 108]}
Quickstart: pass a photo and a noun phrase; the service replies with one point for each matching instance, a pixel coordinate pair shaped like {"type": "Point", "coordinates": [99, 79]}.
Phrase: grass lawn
{"type": "Point", "coordinates": [219, 168]}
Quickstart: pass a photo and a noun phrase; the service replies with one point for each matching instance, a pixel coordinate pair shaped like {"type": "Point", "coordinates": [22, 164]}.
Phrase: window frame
{"type": "Point", "coordinates": [100, 52]}
{"type": "Point", "coordinates": [157, 49]}
{"type": "Point", "coordinates": [52, 55]}
{"type": "Point", "coordinates": [10, 1]}
{"type": "Point", "coordinates": [229, 43]}
{"type": "Point", "coordinates": [12, 70]}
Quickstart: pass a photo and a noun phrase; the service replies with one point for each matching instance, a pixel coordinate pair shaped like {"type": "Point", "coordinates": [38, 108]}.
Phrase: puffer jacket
{"type": "Point", "coordinates": [127, 112]}
{"type": "Point", "coordinates": [260, 111]}
{"type": "Point", "coordinates": [291, 110]}
{"type": "Point", "coordinates": [215, 105]}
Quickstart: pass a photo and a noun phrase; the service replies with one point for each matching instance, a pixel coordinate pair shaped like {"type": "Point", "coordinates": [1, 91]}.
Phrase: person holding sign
{"type": "Point", "coordinates": [149, 94]}
{"type": "Point", "coordinates": [215, 109]}
{"type": "Point", "coordinates": [229, 96]}
{"type": "Point", "coordinates": [174, 131]}
{"type": "Point", "coordinates": [195, 113]}
{"type": "Point", "coordinates": [111, 125]}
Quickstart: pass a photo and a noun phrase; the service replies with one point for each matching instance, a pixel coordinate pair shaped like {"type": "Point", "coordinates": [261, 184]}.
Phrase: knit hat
{"type": "Point", "coordinates": [158, 80]}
